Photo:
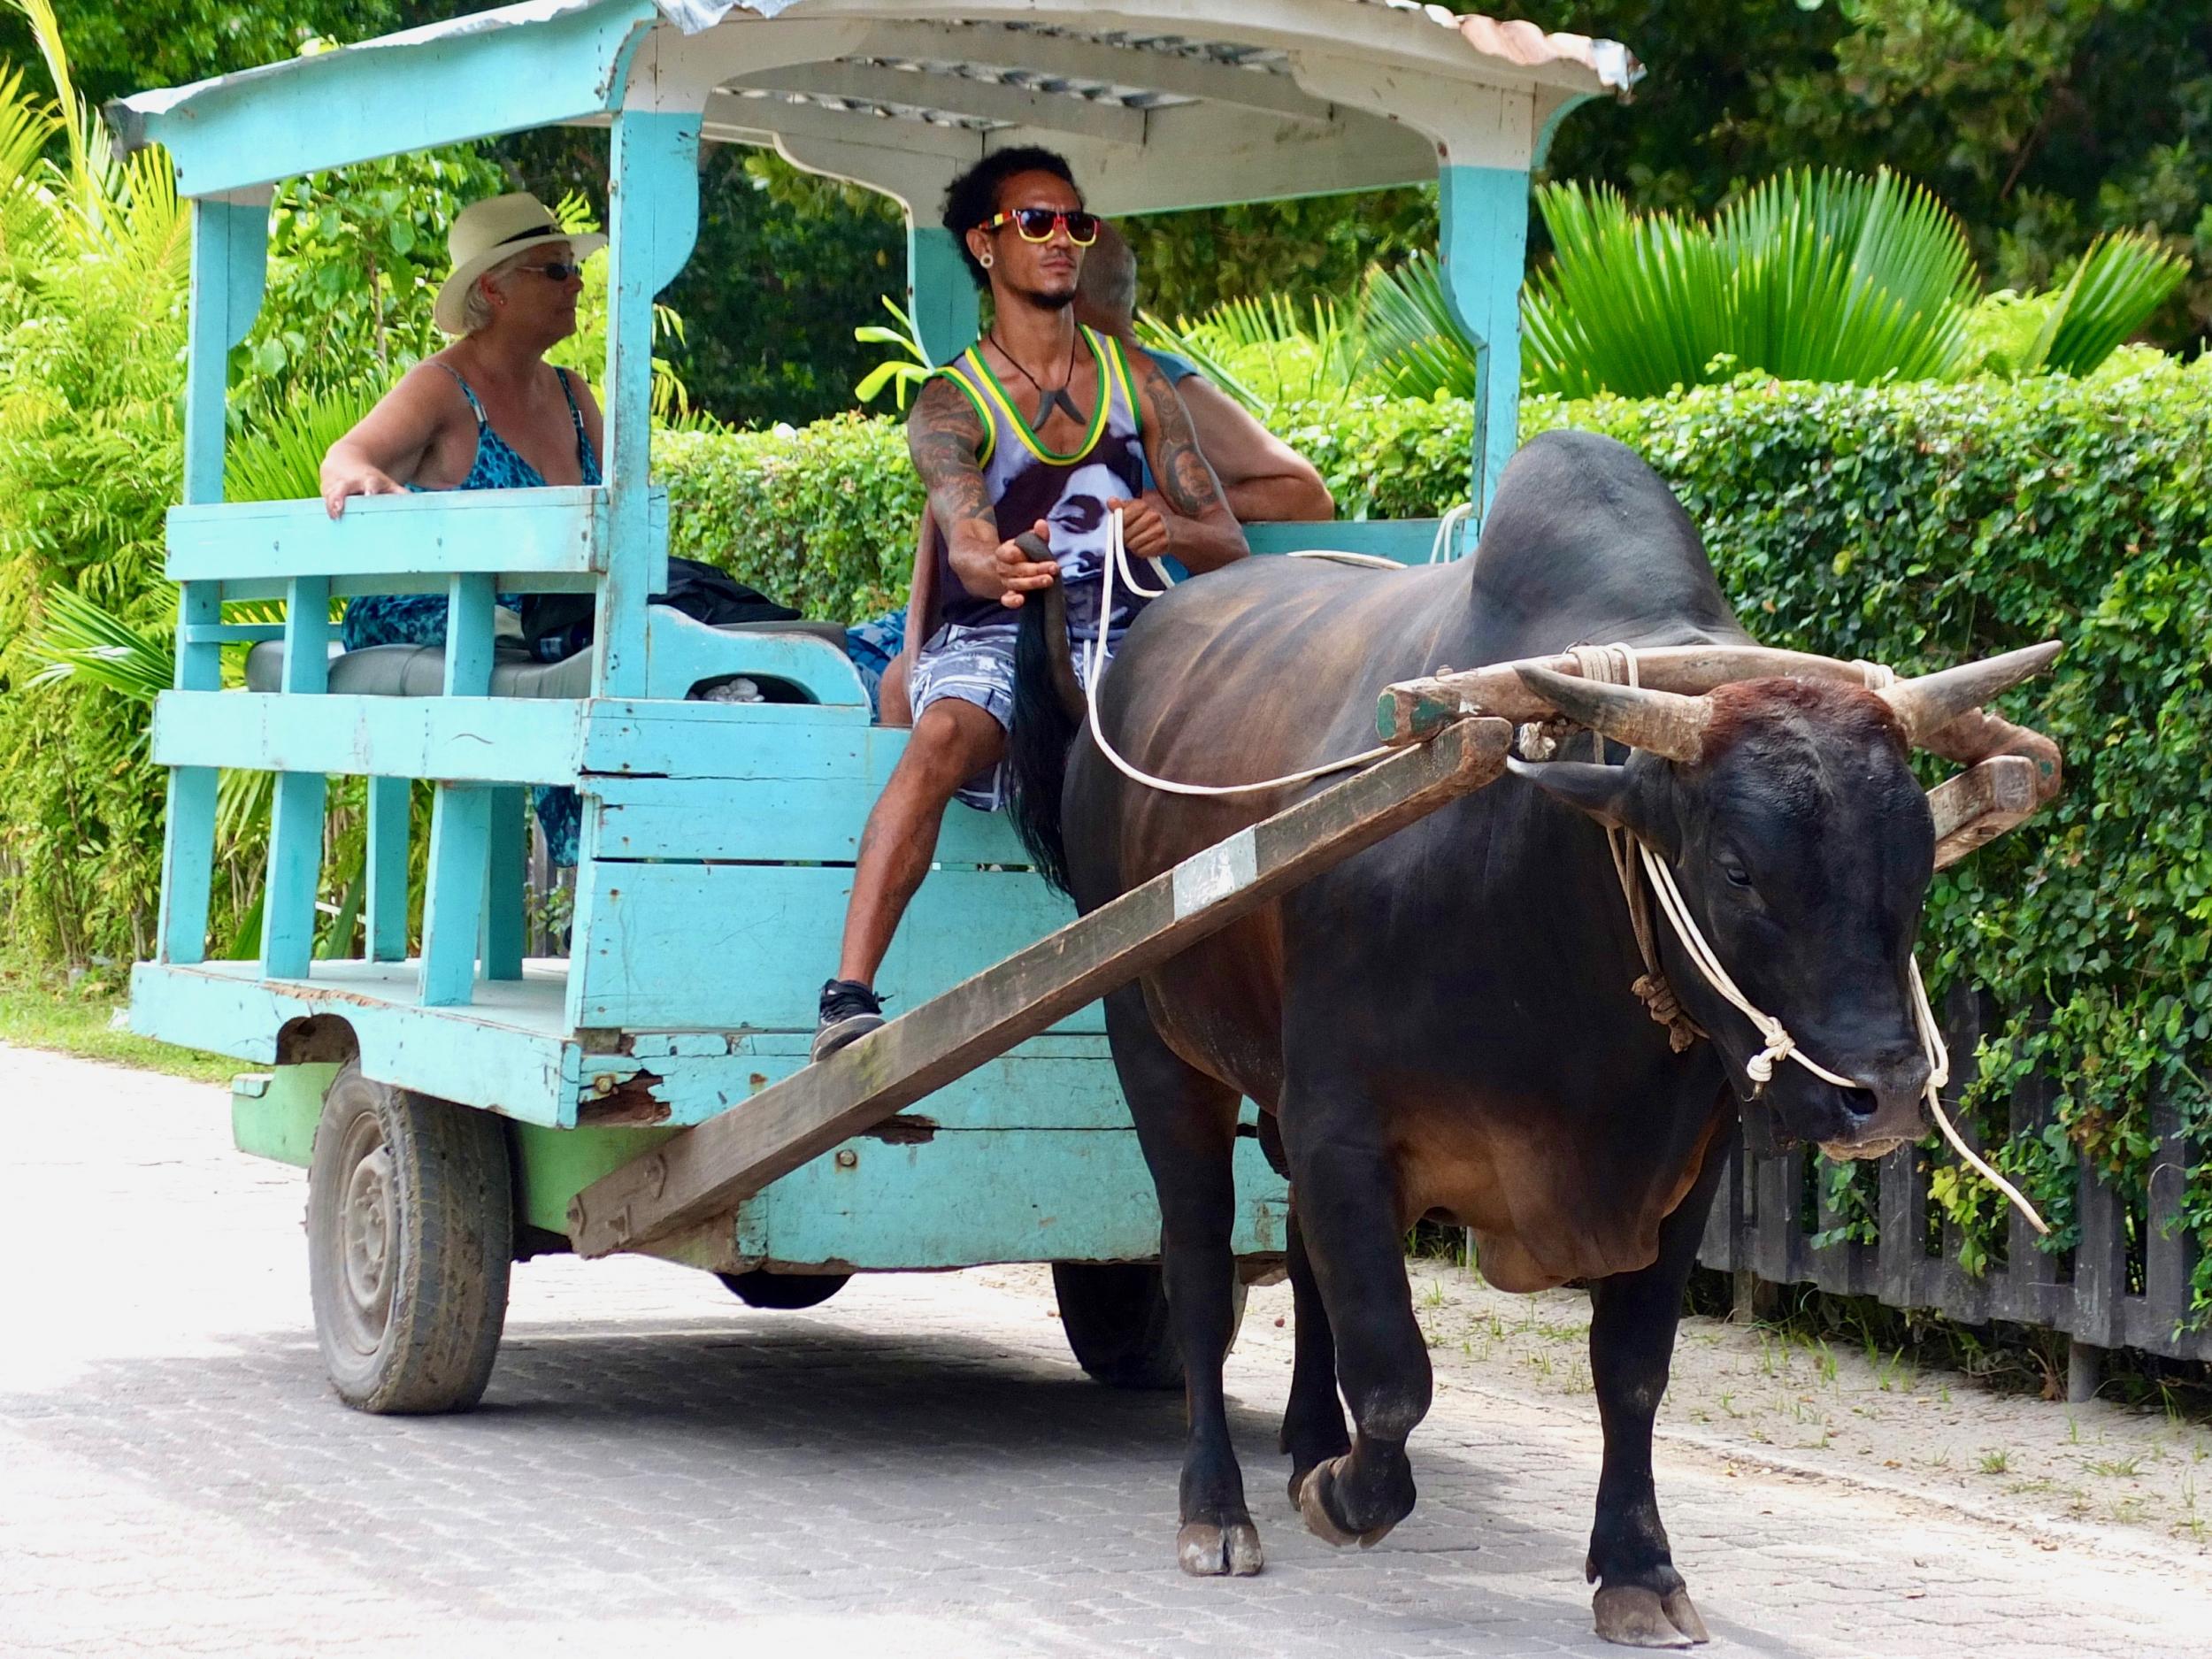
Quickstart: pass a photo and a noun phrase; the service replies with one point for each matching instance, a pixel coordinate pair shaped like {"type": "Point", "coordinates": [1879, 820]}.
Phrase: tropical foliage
{"type": "Point", "coordinates": [1825, 277]}
{"type": "Point", "coordinates": [1810, 276]}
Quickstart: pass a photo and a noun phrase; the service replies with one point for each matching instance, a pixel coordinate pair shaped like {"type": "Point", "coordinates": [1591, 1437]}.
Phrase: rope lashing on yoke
{"type": "Point", "coordinates": [1616, 664]}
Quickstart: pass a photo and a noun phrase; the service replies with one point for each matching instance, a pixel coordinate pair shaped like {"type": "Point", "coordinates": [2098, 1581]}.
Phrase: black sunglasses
{"type": "Point", "coordinates": [554, 272]}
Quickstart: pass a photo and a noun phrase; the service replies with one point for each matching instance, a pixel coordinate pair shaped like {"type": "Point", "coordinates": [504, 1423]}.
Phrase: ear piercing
{"type": "Point", "coordinates": [988, 261]}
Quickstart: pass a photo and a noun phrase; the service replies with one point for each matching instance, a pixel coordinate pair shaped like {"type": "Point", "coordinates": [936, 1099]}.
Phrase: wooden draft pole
{"type": "Point", "coordinates": [708, 1170]}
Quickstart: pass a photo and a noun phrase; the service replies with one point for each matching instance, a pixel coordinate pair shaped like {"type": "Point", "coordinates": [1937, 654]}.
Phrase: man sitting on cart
{"type": "Point", "coordinates": [994, 470]}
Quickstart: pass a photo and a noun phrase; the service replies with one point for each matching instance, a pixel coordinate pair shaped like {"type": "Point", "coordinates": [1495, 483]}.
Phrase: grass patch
{"type": "Point", "coordinates": [43, 1009]}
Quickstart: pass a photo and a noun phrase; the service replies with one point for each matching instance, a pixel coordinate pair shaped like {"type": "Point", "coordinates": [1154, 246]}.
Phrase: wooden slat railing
{"type": "Point", "coordinates": [1762, 1230]}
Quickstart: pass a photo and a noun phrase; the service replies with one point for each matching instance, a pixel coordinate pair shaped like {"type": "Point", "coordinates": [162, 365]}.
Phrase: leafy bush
{"type": "Point", "coordinates": [822, 518]}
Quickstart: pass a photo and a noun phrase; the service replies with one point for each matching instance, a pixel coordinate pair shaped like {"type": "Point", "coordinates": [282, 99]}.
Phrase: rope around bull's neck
{"type": "Point", "coordinates": [1617, 664]}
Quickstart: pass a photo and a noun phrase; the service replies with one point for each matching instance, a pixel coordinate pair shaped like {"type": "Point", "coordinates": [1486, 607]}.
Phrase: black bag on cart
{"type": "Point", "coordinates": [558, 626]}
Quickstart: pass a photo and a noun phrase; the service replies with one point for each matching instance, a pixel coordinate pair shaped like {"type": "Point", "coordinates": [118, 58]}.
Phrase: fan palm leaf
{"type": "Point", "coordinates": [2121, 281]}
{"type": "Point", "coordinates": [1415, 345]}
{"type": "Point", "coordinates": [1822, 276]}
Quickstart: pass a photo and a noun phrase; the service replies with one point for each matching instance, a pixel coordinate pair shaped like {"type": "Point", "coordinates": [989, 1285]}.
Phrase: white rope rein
{"type": "Point", "coordinates": [1095, 667]}
{"type": "Point", "coordinates": [1617, 664]}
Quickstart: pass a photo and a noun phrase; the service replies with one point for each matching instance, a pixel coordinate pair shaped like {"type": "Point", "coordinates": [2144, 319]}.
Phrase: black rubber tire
{"type": "Point", "coordinates": [411, 1231]}
{"type": "Point", "coordinates": [760, 1289]}
{"type": "Point", "coordinates": [1115, 1315]}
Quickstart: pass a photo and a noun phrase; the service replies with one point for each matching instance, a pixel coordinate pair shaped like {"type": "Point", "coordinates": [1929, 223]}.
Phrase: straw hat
{"type": "Point", "coordinates": [485, 233]}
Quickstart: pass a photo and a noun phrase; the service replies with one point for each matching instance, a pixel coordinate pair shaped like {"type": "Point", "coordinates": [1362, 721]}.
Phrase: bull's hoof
{"type": "Point", "coordinates": [1637, 1617]}
{"type": "Point", "coordinates": [1206, 1551]}
{"type": "Point", "coordinates": [1313, 1495]}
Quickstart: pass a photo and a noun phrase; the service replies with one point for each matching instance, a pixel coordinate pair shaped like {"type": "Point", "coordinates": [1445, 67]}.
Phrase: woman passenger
{"type": "Point", "coordinates": [487, 412]}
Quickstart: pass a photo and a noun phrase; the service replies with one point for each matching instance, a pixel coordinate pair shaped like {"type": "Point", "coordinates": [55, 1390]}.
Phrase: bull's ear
{"type": "Point", "coordinates": [1606, 793]}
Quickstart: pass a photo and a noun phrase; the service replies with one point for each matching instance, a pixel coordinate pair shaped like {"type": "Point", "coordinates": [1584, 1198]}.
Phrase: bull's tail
{"type": "Point", "coordinates": [1049, 711]}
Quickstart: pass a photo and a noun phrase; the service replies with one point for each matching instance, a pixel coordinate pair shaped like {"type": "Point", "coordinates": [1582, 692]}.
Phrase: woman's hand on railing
{"type": "Point", "coordinates": [360, 479]}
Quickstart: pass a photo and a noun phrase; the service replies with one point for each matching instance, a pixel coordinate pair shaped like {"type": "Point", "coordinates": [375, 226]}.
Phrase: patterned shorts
{"type": "Point", "coordinates": [976, 665]}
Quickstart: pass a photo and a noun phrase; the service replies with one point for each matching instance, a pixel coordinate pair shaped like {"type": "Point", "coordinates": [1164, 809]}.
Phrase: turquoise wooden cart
{"type": "Point", "coordinates": [451, 1103]}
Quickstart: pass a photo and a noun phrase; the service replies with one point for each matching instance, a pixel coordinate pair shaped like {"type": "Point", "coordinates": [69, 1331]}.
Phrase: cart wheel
{"type": "Point", "coordinates": [411, 1224]}
{"type": "Point", "coordinates": [761, 1288]}
{"type": "Point", "coordinates": [1115, 1314]}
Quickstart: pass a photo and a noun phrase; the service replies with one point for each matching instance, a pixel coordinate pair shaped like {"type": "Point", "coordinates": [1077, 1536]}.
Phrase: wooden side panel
{"type": "Point", "coordinates": [1408, 541]}
{"type": "Point", "coordinates": [776, 818]}
{"type": "Point", "coordinates": [749, 945]}
{"type": "Point", "coordinates": [484, 740]}
{"type": "Point", "coordinates": [987, 1196]}
{"type": "Point", "coordinates": [748, 741]}
{"type": "Point", "coordinates": [521, 532]}
{"type": "Point", "coordinates": [1056, 1081]}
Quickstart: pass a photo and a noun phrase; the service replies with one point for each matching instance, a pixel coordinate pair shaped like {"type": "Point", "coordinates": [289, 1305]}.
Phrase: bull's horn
{"type": "Point", "coordinates": [1664, 722]}
{"type": "Point", "coordinates": [1926, 705]}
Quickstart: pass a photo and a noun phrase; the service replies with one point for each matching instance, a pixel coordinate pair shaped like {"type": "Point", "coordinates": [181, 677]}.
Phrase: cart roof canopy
{"type": "Point", "coordinates": [1157, 105]}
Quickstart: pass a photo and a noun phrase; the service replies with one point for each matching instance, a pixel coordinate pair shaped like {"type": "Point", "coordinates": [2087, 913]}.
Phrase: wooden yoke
{"type": "Point", "coordinates": [709, 1170]}
{"type": "Point", "coordinates": [2013, 770]}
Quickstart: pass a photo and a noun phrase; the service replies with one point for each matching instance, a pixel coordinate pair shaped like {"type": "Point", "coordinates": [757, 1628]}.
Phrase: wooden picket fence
{"type": "Point", "coordinates": [2125, 1286]}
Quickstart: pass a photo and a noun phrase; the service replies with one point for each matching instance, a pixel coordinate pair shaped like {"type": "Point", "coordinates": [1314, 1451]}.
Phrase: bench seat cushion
{"type": "Point", "coordinates": [419, 671]}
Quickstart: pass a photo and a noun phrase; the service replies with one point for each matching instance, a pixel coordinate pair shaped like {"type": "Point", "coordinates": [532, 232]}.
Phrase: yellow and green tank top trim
{"type": "Point", "coordinates": [974, 377]}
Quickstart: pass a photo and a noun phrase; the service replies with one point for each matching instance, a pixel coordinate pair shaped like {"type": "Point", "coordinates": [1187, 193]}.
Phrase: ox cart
{"type": "Point", "coordinates": [453, 1099]}
{"type": "Point", "coordinates": [461, 1105]}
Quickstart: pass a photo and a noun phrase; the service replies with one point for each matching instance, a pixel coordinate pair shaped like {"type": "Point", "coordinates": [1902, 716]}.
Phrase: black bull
{"type": "Point", "coordinates": [1443, 1025]}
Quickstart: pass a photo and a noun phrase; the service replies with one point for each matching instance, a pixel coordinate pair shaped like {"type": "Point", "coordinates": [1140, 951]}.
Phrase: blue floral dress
{"type": "Point", "coordinates": [420, 618]}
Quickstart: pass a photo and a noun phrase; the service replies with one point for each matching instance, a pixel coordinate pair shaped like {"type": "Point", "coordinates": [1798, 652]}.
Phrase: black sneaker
{"type": "Point", "coordinates": [849, 1010]}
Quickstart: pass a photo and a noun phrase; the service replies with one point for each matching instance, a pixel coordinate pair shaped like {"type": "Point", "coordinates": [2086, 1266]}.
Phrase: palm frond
{"type": "Point", "coordinates": [1819, 276]}
{"type": "Point", "coordinates": [1157, 332]}
{"type": "Point", "coordinates": [1266, 352]}
{"type": "Point", "coordinates": [1415, 345]}
{"type": "Point", "coordinates": [281, 458]}
{"type": "Point", "coordinates": [28, 230]}
{"type": "Point", "coordinates": [2121, 281]}
{"type": "Point", "coordinates": [81, 640]}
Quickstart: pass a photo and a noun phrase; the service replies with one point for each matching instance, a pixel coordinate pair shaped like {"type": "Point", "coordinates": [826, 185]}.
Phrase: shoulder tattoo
{"type": "Point", "coordinates": [943, 436]}
{"type": "Point", "coordinates": [1185, 478]}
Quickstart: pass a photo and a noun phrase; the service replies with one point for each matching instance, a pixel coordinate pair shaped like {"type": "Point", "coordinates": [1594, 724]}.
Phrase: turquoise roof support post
{"type": "Point", "coordinates": [653, 191]}
{"type": "Point", "coordinates": [940, 297]}
{"type": "Point", "coordinates": [230, 244]}
{"type": "Point", "coordinates": [1483, 236]}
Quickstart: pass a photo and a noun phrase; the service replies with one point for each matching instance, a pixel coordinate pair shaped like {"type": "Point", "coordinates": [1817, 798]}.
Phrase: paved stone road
{"type": "Point", "coordinates": [916, 1468]}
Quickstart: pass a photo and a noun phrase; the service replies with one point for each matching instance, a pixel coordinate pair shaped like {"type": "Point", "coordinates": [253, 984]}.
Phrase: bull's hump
{"type": "Point", "coordinates": [1584, 540]}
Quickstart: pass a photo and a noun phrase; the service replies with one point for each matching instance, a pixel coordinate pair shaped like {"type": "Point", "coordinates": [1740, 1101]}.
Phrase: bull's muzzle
{"type": "Point", "coordinates": [1883, 1113]}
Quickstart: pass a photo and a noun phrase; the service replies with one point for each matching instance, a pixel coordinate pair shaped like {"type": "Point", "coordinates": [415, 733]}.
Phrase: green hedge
{"type": "Point", "coordinates": [1914, 525]}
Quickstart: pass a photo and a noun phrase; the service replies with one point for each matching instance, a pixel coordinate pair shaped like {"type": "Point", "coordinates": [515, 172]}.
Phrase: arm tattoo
{"type": "Point", "coordinates": [1186, 480]}
{"type": "Point", "coordinates": [943, 437]}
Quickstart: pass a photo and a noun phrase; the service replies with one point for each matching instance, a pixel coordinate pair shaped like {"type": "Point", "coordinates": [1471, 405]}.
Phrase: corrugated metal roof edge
{"type": "Point", "coordinates": [1515, 42]}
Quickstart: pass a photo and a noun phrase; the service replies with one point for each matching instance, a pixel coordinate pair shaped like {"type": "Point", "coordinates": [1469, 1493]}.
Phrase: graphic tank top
{"type": "Point", "coordinates": [1027, 482]}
